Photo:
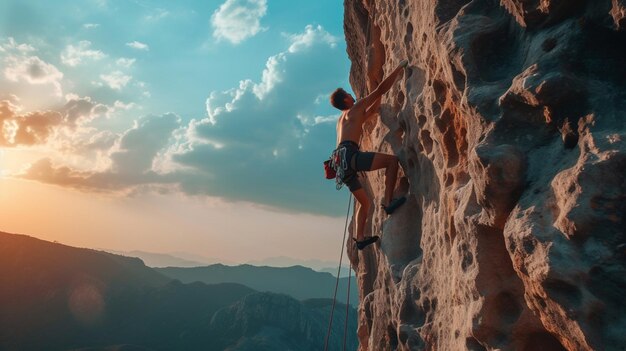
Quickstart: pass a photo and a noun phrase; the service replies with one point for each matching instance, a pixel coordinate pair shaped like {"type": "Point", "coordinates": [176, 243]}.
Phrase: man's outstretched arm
{"type": "Point", "coordinates": [373, 108]}
{"type": "Point", "coordinates": [384, 86]}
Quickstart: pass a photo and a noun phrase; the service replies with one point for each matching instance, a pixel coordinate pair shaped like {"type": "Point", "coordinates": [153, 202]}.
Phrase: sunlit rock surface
{"type": "Point", "coordinates": [510, 128]}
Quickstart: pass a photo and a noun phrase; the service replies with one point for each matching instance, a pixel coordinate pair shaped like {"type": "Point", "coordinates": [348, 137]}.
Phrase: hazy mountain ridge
{"type": "Point", "coordinates": [56, 297]}
{"type": "Point", "coordinates": [187, 260]}
{"type": "Point", "coordinates": [297, 281]}
{"type": "Point", "coordinates": [284, 261]}
{"type": "Point", "coordinates": [26, 253]}
{"type": "Point", "coordinates": [153, 259]}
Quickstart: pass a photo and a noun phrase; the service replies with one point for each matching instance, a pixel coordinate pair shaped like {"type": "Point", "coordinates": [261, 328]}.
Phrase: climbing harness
{"type": "Point", "coordinates": [340, 165]}
{"type": "Point", "coordinates": [332, 310]}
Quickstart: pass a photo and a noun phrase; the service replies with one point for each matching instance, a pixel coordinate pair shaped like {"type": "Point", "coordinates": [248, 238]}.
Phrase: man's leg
{"type": "Point", "coordinates": [361, 218]}
{"type": "Point", "coordinates": [390, 164]}
{"type": "Point", "coordinates": [361, 213]}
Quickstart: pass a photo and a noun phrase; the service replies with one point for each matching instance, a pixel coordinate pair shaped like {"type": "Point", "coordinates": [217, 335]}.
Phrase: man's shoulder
{"type": "Point", "coordinates": [354, 112]}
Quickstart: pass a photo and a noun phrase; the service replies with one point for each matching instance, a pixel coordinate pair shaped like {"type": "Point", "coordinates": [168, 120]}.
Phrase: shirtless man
{"type": "Point", "coordinates": [349, 130]}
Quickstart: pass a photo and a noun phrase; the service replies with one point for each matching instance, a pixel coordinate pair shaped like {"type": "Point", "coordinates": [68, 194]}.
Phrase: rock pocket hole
{"type": "Point", "coordinates": [427, 141]}
{"type": "Point", "coordinates": [473, 345]}
{"type": "Point", "coordinates": [548, 44]}
{"type": "Point", "coordinates": [440, 91]}
{"type": "Point", "coordinates": [529, 245]}
{"type": "Point", "coordinates": [392, 336]}
{"type": "Point", "coordinates": [468, 259]}
{"type": "Point", "coordinates": [421, 120]}
{"type": "Point", "coordinates": [542, 341]}
{"type": "Point", "coordinates": [450, 148]}
{"type": "Point", "coordinates": [449, 179]}
{"type": "Point", "coordinates": [443, 122]}
{"type": "Point", "coordinates": [404, 337]}
{"type": "Point", "coordinates": [436, 108]}
{"type": "Point", "coordinates": [563, 292]}
{"type": "Point", "coordinates": [400, 100]}
{"type": "Point", "coordinates": [408, 37]}
{"type": "Point", "coordinates": [508, 308]}
{"type": "Point", "coordinates": [408, 314]}
{"type": "Point", "coordinates": [459, 79]}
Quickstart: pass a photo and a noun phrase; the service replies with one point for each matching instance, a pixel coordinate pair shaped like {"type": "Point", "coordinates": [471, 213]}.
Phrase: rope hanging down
{"type": "Point", "coordinates": [332, 310]}
{"type": "Point", "coordinates": [345, 326]}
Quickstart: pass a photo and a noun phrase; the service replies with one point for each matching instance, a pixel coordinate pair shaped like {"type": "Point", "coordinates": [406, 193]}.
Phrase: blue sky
{"type": "Point", "coordinates": [226, 100]}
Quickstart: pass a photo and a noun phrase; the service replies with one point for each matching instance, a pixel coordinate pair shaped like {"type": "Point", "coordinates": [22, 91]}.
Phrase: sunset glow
{"type": "Point", "coordinates": [172, 127]}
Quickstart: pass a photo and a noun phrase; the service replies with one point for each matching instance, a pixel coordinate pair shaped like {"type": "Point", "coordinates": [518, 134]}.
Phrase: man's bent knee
{"type": "Point", "coordinates": [365, 206]}
{"type": "Point", "coordinates": [392, 161]}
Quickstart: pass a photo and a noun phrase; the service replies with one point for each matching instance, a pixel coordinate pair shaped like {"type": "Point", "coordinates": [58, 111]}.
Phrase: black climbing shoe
{"type": "Point", "coordinates": [366, 242]}
{"type": "Point", "coordinates": [395, 203]}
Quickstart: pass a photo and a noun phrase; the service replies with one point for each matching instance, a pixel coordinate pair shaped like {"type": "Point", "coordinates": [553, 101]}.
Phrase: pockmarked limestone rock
{"type": "Point", "coordinates": [510, 127]}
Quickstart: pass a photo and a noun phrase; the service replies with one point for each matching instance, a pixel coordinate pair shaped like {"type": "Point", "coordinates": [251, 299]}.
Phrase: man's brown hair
{"type": "Point", "coordinates": [338, 99]}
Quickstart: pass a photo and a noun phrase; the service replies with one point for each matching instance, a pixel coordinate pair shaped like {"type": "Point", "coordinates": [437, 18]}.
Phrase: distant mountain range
{"type": "Point", "coordinates": [183, 259]}
{"type": "Point", "coordinates": [153, 259]}
{"type": "Point", "coordinates": [56, 297]}
{"type": "Point", "coordinates": [297, 281]}
{"type": "Point", "coordinates": [187, 260]}
{"type": "Point", "coordinates": [284, 261]}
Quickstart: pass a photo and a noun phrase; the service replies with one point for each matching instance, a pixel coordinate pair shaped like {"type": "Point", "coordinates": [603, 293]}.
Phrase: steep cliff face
{"type": "Point", "coordinates": [510, 128]}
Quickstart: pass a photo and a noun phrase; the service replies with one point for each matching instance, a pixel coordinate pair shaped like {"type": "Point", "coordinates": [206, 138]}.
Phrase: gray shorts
{"type": "Point", "coordinates": [358, 161]}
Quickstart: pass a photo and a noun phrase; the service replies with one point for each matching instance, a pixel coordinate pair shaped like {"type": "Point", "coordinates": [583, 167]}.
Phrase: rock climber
{"type": "Point", "coordinates": [349, 130]}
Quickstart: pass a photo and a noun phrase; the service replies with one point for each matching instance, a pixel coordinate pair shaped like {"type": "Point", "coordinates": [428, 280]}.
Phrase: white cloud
{"type": "Point", "coordinates": [79, 110]}
{"type": "Point", "coordinates": [12, 99]}
{"type": "Point", "coordinates": [125, 62]}
{"type": "Point", "coordinates": [33, 70]}
{"type": "Point", "coordinates": [138, 45]}
{"type": "Point", "coordinates": [273, 73]}
{"type": "Point", "coordinates": [116, 80]}
{"type": "Point", "coordinates": [10, 45]}
{"type": "Point", "coordinates": [39, 127]}
{"type": "Point", "coordinates": [119, 105]}
{"type": "Point", "coordinates": [131, 158]}
{"type": "Point", "coordinates": [71, 96]}
{"type": "Point", "coordinates": [75, 55]}
{"type": "Point", "coordinates": [91, 25]}
{"type": "Point", "coordinates": [310, 36]}
{"type": "Point", "coordinates": [273, 129]}
{"type": "Point", "coordinates": [237, 20]}
{"type": "Point", "coordinates": [261, 142]}
{"type": "Point", "coordinates": [157, 15]}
